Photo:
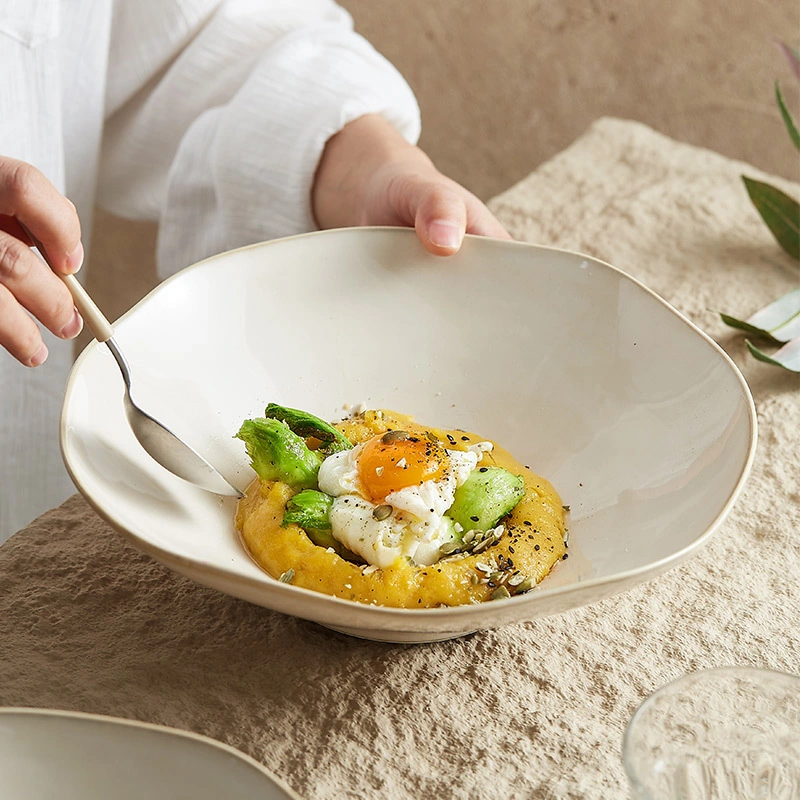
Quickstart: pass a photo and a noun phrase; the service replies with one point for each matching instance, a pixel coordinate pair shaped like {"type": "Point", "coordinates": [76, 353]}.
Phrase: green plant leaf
{"type": "Point", "coordinates": [792, 56]}
{"type": "Point", "coordinates": [779, 211]}
{"type": "Point", "coordinates": [788, 120]}
{"type": "Point", "coordinates": [787, 357]}
{"type": "Point", "coordinates": [742, 325]}
{"type": "Point", "coordinates": [779, 321]}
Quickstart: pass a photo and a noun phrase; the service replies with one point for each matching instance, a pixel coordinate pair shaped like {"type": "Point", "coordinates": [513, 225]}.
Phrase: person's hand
{"type": "Point", "coordinates": [370, 175]}
{"type": "Point", "coordinates": [27, 284]}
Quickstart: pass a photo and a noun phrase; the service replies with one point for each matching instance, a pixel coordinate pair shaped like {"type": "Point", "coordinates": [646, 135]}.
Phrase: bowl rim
{"type": "Point", "coordinates": [107, 719]}
{"type": "Point", "coordinates": [271, 586]}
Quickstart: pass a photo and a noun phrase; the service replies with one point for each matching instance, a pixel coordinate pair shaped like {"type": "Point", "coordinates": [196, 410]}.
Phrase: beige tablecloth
{"type": "Point", "coordinates": [536, 710]}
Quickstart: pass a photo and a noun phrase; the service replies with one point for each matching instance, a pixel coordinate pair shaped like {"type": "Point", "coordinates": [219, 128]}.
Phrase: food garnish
{"type": "Point", "coordinates": [380, 509]}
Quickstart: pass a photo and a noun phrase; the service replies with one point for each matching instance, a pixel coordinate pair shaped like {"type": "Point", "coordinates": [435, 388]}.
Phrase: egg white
{"type": "Point", "coordinates": [417, 527]}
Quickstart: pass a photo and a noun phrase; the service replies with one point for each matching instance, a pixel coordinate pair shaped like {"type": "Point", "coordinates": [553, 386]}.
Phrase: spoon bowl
{"type": "Point", "coordinates": [166, 447]}
{"type": "Point", "coordinates": [161, 444]}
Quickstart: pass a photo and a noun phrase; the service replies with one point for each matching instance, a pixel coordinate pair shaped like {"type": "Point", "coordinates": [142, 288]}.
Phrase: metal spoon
{"type": "Point", "coordinates": [159, 441]}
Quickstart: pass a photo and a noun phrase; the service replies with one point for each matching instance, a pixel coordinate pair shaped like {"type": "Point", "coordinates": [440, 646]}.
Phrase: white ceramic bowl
{"type": "Point", "coordinates": [47, 754]}
{"type": "Point", "coordinates": [643, 424]}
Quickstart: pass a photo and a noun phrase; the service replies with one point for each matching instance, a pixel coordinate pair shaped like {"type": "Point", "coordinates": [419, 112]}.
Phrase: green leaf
{"type": "Point", "coordinates": [779, 321]}
{"type": "Point", "coordinates": [787, 357]}
{"type": "Point", "coordinates": [788, 120]}
{"type": "Point", "coordinates": [304, 424]}
{"type": "Point", "coordinates": [779, 211]}
{"type": "Point", "coordinates": [742, 325]}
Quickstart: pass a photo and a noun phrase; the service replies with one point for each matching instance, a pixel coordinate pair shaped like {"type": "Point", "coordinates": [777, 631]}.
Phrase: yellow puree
{"type": "Point", "coordinates": [450, 582]}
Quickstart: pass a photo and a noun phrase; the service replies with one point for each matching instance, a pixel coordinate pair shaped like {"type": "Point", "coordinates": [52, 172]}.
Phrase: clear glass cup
{"type": "Point", "coordinates": [720, 734]}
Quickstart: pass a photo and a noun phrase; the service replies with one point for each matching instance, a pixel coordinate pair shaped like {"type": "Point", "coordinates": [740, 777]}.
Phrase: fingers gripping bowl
{"type": "Point", "coordinates": [642, 424]}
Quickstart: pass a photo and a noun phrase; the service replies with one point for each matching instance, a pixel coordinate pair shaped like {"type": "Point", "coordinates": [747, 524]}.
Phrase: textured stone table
{"type": "Point", "coordinates": [536, 710]}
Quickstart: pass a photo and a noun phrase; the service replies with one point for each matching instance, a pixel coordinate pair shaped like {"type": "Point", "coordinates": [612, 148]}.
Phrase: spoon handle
{"type": "Point", "coordinates": [93, 317]}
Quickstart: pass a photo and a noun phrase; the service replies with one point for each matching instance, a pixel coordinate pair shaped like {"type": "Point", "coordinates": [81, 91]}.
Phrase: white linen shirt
{"type": "Point", "coordinates": [209, 116]}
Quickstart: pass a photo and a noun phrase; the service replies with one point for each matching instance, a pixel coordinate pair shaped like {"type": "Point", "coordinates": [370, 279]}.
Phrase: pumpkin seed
{"type": "Point", "coordinates": [287, 576]}
{"type": "Point", "coordinates": [482, 545]}
{"type": "Point", "coordinates": [394, 436]}
{"type": "Point", "coordinates": [500, 593]}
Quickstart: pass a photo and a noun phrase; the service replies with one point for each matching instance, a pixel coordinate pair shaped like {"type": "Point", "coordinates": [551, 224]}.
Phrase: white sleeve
{"type": "Point", "coordinates": [220, 113]}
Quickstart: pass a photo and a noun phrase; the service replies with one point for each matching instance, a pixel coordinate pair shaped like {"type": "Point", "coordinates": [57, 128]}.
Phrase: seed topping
{"type": "Point", "coordinates": [287, 576]}
{"type": "Point", "coordinates": [382, 512]}
{"type": "Point", "coordinates": [394, 436]}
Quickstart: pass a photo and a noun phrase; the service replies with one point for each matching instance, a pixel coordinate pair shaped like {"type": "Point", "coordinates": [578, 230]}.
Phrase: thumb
{"type": "Point", "coordinates": [440, 219]}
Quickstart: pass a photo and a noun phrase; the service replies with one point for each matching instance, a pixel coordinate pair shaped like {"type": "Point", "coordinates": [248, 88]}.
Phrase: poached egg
{"type": "Point", "coordinates": [391, 495]}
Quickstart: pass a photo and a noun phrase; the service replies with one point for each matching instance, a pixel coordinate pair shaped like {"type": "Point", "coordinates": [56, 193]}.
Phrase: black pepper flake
{"type": "Point", "coordinates": [451, 439]}
{"type": "Point", "coordinates": [527, 522]}
{"type": "Point", "coordinates": [483, 469]}
{"type": "Point", "coordinates": [419, 599]}
{"type": "Point", "coordinates": [474, 518]}
{"type": "Point", "coordinates": [510, 549]}
{"type": "Point", "coordinates": [465, 438]}
{"type": "Point", "coordinates": [527, 467]}
{"type": "Point", "coordinates": [536, 547]}
{"type": "Point", "coordinates": [565, 557]}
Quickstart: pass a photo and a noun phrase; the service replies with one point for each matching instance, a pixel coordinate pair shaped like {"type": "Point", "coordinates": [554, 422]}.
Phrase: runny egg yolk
{"type": "Point", "coordinates": [396, 460]}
